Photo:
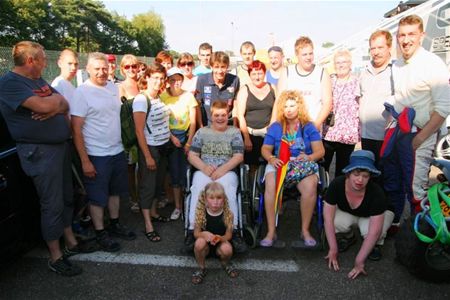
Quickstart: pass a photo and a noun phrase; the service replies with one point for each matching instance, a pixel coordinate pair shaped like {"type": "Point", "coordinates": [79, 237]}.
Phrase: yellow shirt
{"type": "Point", "coordinates": [179, 106]}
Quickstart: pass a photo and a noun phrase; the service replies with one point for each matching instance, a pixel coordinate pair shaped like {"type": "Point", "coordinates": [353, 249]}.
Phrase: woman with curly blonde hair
{"type": "Point", "coordinates": [294, 127]}
{"type": "Point", "coordinates": [213, 230]}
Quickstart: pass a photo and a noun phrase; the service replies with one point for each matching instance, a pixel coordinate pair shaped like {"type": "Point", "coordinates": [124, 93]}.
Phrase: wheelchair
{"type": "Point", "coordinates": [256, 214]}
{"type": "Point", "coordinates": [242, 198]}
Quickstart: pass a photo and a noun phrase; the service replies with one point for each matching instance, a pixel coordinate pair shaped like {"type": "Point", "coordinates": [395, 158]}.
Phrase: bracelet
{"type": "Point", "coordinates": [187, 144]}
{"type": "Point", "coordinates": [272, 156]}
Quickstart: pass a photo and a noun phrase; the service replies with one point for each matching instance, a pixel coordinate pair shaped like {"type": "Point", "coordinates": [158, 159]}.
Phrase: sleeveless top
{"type": "Point", "coordinates": [242, 73]}
{"type": "Point", "coordinates": [215, 224]}
{"type": "Point", "coordinates": [270, 79]}
{"type": "Point", "coordinates": [310, 87]}
{"type": "Point", "coordinates": [258, 112]}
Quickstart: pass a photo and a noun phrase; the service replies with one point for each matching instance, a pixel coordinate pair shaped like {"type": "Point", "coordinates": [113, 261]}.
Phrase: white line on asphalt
{"type": "Point", "coordinates": [176, 261]}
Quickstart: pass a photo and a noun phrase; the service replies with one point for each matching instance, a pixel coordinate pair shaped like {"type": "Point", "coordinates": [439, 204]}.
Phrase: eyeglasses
{"type": "Point", "coordinates": [189, 63]}
{"type": "Point", "coordinates": [126, 67]}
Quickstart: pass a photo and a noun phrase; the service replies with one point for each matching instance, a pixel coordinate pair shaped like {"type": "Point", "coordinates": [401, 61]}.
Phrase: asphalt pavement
{"type": "Point", "coordinates": [146, 270]}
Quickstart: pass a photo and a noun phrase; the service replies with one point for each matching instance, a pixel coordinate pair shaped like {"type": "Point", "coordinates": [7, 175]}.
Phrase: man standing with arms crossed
{"type": "Point", "coordinates": [36, 116]}
{"type": "Point", "coordinates": [96, 133]}
{"type": "Point", "coordinates": [422, 83]}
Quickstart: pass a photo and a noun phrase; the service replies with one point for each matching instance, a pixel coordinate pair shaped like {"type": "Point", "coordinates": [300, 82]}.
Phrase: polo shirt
{"type": "Point", "coordinates": [209, 92]}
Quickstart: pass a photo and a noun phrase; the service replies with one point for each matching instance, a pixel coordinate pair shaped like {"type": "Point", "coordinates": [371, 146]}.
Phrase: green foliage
{"type": "Point", "coordinates": [84, 25]}
{"type": "Point", "coordinates": [327, 45]}
{"type": "Point", "coordinates": [149, 33]}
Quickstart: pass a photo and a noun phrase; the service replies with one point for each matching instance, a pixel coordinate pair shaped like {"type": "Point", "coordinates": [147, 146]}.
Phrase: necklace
{"type": "Point", "coordinates": [291, 134]}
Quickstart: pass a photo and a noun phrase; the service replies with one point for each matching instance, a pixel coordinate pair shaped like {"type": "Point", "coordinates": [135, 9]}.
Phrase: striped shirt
{"type": "Point", "coordinates": [157, 121]}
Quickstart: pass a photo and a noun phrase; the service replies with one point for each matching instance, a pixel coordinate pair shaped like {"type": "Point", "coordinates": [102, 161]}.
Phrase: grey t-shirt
{"type": "Point", "coordinates": [375, 90]}
{"type": "Point", "coordinates": [216, 147]}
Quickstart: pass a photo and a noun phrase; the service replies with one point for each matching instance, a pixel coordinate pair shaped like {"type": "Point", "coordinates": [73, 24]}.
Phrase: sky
{"type": "Point", "coordinates": [226, 24]}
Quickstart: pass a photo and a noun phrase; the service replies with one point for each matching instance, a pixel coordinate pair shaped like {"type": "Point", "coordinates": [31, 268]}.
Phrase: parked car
{"type": "Point", "coordinates": [19, 203]}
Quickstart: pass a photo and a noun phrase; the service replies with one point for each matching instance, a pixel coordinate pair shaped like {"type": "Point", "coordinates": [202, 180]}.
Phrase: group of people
{"type": "Point", "coordinates": [293, 117]}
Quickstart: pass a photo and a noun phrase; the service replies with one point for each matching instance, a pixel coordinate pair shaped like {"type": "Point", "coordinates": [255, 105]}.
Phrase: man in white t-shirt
{"type": "Point", "coordinates": [68, 63]}
{"type": "Point", "coordinates": [96, 133]}
{"type": "Point", "coordinates": [421, 81]}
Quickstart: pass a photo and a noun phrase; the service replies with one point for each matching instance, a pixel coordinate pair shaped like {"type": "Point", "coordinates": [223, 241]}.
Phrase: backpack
{"type": "Point", "coordinates": [128, 130]}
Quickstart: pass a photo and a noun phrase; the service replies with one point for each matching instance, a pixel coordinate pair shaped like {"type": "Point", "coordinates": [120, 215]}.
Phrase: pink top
{"type": "Point", "coordinates": [346, 127]}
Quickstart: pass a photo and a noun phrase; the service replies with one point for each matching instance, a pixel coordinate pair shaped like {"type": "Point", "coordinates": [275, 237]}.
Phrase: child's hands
{"type": "Point", "coordinates": [216, 239]}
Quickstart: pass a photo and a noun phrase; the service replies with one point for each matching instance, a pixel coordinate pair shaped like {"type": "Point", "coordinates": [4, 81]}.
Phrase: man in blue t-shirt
{"type": "Point", "coordinates": [37, 119]}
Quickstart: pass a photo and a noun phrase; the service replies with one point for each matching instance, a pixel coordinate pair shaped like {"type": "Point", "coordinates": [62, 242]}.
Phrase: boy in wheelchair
{"type": "Point", "coordinates": [215, 152]}
{"type": "Point", "coordinates": [295, 131]}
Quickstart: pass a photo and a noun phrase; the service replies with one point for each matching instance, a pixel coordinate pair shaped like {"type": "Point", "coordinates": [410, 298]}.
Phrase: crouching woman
{"type": "Point", "coordinates": [355, 200]}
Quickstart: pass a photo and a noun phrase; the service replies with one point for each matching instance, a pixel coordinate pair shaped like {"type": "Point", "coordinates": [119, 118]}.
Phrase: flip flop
{"type": "Point", "coordinates": [266, 243]}
{"type": "Point", "coordinates": [305, 244]}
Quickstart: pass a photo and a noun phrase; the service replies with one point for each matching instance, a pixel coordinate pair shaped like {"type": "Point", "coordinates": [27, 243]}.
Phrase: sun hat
{"type": "Point", "coordinates": [362, 159]}
{"type": "Point", "coordinates": [174, 70]}
{"type": "Point", "coordinates": [111, 57]}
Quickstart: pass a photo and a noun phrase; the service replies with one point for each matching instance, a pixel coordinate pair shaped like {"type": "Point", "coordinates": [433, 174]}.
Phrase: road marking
{"type": "Point", "coordinates": [176, 261]}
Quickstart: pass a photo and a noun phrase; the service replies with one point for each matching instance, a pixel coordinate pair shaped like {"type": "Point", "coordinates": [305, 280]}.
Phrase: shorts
{"type": "Point", "coordinates": [110, 180]}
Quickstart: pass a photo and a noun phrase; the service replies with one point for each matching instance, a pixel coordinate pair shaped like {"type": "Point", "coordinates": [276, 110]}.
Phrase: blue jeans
{"type": "Point", "coordinates": [178, 161]}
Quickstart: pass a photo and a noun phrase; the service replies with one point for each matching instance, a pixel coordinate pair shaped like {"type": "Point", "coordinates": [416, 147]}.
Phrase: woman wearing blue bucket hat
{"type": "Point", "coordinates": [352, 199]}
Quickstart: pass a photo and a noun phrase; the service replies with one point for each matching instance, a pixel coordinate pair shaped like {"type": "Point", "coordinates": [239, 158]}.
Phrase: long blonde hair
{"type": "Point", "coordinates": [303, 116]}
{"type": "Point", "coordinates": [217, 190]}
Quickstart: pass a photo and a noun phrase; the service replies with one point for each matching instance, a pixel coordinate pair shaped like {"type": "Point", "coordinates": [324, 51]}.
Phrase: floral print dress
{"type": "Point", "coordinates": [346, 127]}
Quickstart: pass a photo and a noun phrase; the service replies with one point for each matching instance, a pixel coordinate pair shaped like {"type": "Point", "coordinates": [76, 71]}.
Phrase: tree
{"type": "Point", "coordinates": [84, 25]}
{"type": "Point", "coordinates": [327, 45]}
{"type": "Point", "coordinates": [150, 35]}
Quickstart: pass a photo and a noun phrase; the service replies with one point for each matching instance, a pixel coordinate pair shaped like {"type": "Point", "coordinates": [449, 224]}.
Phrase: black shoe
{"type": "Point", "coordinates": [375, 255]}
{"type": "Point", "coordinates": [345, 242]}
{"type": "Point", "coordinates": [238, 243]}
{"type": "Point", "coordinates": [189, 242]}
{"type": "Point", "coordinates": [64, 267]}
{"type": "Point", "coordinates": [121, 232]}
{"type": "Point", "coordinates": [81, 247]}
{"type": "Point", "coordinates": [106, 243]}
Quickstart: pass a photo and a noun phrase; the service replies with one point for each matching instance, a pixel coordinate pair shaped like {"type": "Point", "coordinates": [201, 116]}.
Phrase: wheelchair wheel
{"type": "Point", "coordinates": [257, 189]}
{"type": "Point", "coordinates": [250, 237]}
{"type": "Point", "coordinates": [429, 262]}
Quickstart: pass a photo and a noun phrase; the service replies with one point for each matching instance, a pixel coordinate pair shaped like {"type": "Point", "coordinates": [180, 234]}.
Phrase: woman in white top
{"type": "Point", "coordinates": [153, 134]}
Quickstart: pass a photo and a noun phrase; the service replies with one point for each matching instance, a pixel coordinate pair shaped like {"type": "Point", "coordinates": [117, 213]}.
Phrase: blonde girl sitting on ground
{"type": "Point", "coordinates": [213, 230]}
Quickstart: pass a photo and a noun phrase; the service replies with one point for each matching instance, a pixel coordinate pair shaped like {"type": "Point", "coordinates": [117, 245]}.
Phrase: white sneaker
{"type": "Point", "coordinates": [175, 214]}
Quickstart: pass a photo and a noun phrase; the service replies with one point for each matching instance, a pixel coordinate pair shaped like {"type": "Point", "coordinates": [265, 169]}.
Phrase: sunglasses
{"type": "Point", "coordinates": [184, 64]}
{"type": "Point", "coordinates": [126, 67]}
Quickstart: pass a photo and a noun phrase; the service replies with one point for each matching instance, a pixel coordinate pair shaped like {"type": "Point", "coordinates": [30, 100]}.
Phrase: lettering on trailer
{"type": "Point", "coordinates": [441, 44]}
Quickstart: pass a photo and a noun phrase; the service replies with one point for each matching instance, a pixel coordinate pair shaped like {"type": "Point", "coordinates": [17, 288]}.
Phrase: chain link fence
{"type": "Point", "coordinates": [52, 70]}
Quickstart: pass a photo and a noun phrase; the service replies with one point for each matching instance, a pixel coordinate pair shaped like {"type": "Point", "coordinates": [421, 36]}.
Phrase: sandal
{"type": "Point", "coordinates": [230, 270]}
{"type": "Point", "coordinates": [198, 276]}
{"type": "Point", "coordinates": [153, 236]}
{"type": "Point", "coordinates": [160, 219]}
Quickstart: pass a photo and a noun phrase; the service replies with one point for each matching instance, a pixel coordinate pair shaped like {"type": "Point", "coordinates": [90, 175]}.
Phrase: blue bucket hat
{"type": "Point", "coordinates": [362, 159]}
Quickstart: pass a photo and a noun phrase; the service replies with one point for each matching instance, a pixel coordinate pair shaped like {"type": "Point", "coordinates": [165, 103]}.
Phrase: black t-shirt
{"type": "Point", "coordinates": [373, 204]}
{"type": "Point", "coordinates": [215, 224]}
